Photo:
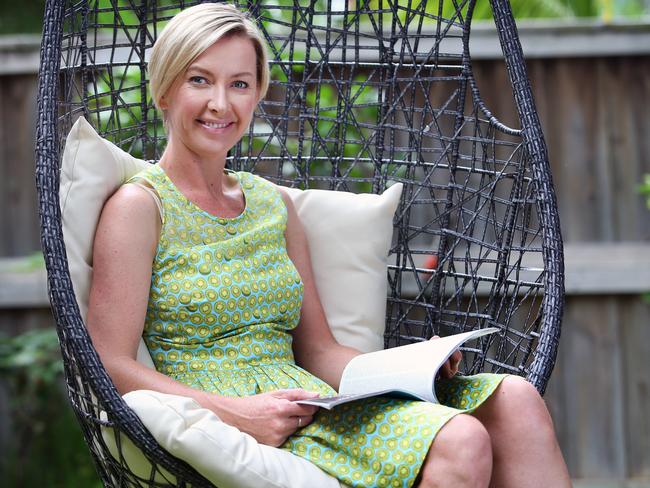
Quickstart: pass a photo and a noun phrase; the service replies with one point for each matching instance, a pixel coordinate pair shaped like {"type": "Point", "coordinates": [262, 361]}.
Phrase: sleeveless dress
{"type": "Point", "coordinates": [224, 298]}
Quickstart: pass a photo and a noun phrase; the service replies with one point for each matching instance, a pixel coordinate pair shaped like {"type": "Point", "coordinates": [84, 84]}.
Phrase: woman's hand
{"type": "Point", "coordinates": [450, 368]}
{"type": "Point", "coordinates": [269, 417]}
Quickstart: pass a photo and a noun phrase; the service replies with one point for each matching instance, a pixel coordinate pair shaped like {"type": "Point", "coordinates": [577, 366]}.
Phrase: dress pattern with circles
{"type": "Point", "coordinates": [224, 298]}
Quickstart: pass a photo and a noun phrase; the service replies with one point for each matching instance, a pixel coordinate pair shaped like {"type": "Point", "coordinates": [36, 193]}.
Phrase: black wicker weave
{"type": "Point", "coordinates": [364, 93]}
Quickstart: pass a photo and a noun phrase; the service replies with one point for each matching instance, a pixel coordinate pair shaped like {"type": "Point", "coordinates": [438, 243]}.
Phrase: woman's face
{"type": "Point", "coordinates": [211, 105]}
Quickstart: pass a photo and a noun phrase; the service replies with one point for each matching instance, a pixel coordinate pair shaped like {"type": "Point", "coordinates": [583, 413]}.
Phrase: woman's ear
{"type": "Point", "coordinates": [162, 104]}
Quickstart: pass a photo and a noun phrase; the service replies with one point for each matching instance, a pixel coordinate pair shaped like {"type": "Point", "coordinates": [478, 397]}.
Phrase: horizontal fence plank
{"type": "Point", "coordinates": [612, 269]}
{"type": "Point", "coordinates": [557, 38]}
{"type": "Point", "coordinates": [560, 38]}
{"type": "Point", "coordinates": [595, 268]}
{"type": "Point", "coordinates": [590, 268]}
{"type": "Point", "coordinates": [21, 286]}
{"type": "Point", "coordinates": [19, 54]}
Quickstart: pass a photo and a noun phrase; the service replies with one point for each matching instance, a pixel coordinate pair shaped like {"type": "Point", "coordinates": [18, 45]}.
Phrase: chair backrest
{"type": "Point", "coordinates": [364, 93]}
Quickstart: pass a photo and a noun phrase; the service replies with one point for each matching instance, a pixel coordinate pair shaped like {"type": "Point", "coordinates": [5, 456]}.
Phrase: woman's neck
{"type": "Point", "coordinates": [197, 176]}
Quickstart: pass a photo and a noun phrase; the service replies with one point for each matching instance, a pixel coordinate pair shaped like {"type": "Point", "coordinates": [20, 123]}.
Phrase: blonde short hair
{"type": "Point", "coordinates": [190, 33]}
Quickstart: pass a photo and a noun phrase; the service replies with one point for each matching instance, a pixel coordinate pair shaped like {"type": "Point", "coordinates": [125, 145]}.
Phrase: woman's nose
{"type": "Point", "coordinates": [218, 101]}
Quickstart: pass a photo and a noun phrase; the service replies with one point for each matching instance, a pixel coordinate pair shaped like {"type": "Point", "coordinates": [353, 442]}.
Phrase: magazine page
{"type": "Point", "coordinates": [408, 370]}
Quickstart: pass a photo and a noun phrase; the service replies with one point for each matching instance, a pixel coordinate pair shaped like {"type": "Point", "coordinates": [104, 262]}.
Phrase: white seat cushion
{"type": "Point", "coordinates": [349, 236]}
{"type": "Point", "coordinates": [220, 452]}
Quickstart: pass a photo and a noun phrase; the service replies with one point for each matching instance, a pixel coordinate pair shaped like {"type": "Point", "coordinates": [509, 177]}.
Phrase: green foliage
{"type": "Point", "coordinates": [32, 262]}
{"type": "Point", "coordinates": [644, 189]}
{"type": "Point", "coordinates": [33, 356]}
{"type": "Point", "coordinates": [347, 139]}
{"type": "Point", "coordinates": [21, 17]}
{"type": "Point", "coordinates": [128, 113]}
{"type": "Point", "coordinates": [604, 9]}
{"type": "Point", "coordinates": [527, 9]}
{"type": "Point", "coordinates": [126, 13]}
{"type": "Point", "coordinates": [46, 447]}
{"type": "Point", "coordinates": [27, 17]}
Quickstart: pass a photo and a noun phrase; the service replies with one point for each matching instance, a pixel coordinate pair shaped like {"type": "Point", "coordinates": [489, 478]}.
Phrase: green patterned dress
{"type": "Point", "coordinates": [224, 298]}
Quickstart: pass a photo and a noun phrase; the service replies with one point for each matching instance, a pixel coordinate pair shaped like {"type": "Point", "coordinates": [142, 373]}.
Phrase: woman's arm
{"type": "Point", "coordinates": [123, 253]}
{"type": "Point", "coordinates": [314, 346]}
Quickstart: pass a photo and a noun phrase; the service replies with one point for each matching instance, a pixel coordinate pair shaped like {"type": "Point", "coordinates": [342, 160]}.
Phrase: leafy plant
{"type": "Point", "coordinates": [526, 9]}
{"type": "Point", "coordinates": [47, 448]}
{"type": "Point", "coordinates": [644, 189]}
{"type": "Point", "coordinates": [33, 356]}
{"type": "Point", "coordinates": [604, 9]}
{"type": "Point", "coordinates": [21, 17]}
{"type": "Point", "coordinates": [32, 262]}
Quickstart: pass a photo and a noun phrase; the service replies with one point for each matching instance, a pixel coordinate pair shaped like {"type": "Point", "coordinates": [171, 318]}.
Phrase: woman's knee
{"type": "Point", "coordinates": [461, 451]}
{"type": "Point", "coordinates": [521, 407]}
{"type": "Point", "coordinates": [464, 436]}
{"type": "Point", "coordinates": [519, 394]}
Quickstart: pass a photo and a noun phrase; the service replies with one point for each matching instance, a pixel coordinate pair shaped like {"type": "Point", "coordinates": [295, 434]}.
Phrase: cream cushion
{"type": "Point", "coordinates": [349, 236]}
{"type": "Point", "coordinates": [91, 171]}
{"type": "Point", "coordinates": [221, 453]}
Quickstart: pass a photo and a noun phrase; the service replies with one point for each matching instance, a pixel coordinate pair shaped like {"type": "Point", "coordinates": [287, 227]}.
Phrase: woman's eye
{"type": "Point", "coordinates": [197, 79]}
{"type": "Point", "coordinates": [240, 84]}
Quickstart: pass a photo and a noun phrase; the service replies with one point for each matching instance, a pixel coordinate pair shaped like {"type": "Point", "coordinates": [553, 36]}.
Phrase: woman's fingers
{"type": "Point", "coordinates": [295, 394]}
{"type": "Point", "coordinates": [296, 409]}
{"type": "Point", "coordinates": [450, 367]}
{"type": "Point", "coordinates": [455, 359]}
{"type": "Point", "coordinates": [301, 421]}
{"type": "Point", "coordinates": [270, 417]}
{"type": "Point", "coordinates": [445, 370]}
{"type": "Point", "coordinates": [298, 415]}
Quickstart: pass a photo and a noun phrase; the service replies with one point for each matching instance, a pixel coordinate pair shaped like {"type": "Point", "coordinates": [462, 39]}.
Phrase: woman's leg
{"type": "Point", "coordinates": [460, 456]}
{"type": "Point", "coordinates": [524, 446]}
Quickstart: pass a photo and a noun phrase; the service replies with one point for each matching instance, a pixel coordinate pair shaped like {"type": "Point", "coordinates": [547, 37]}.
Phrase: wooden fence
{"type": "Point", "coordinates": [592, 88]}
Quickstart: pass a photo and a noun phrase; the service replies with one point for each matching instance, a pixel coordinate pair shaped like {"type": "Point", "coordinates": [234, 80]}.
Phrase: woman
{"type": "Point", "coordinates": [216, 267]}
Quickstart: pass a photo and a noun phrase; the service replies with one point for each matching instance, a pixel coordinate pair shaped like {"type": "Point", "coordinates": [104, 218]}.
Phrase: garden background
{"type": "Point", "coordinates": [589, 64]}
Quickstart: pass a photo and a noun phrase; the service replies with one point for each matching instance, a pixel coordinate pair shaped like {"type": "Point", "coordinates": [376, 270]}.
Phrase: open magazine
{"type": "Point", "coordinates": [408, 371]}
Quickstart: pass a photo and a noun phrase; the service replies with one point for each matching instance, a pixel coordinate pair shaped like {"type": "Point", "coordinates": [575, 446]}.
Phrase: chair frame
{"type": "Point", "coordinates": [92, 392]}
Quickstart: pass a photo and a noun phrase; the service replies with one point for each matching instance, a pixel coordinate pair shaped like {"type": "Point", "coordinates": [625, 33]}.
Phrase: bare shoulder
{"type": "Point", "coordinates": [131, 197]}
{"type": "Point", "coordinates": [129, 216]}
{"type": "Point", "coordinates": [131, 203]}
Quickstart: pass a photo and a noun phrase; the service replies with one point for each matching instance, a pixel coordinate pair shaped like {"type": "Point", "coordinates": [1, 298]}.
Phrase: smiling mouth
{"type": "Point", "coordinates": [215, 125]}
